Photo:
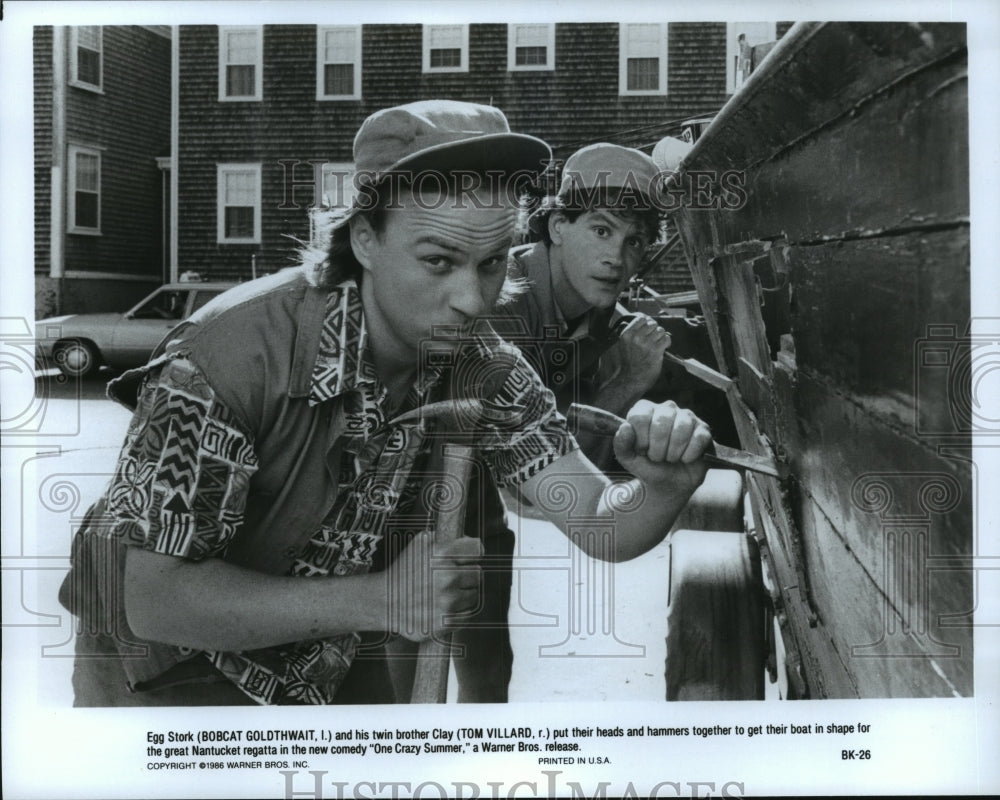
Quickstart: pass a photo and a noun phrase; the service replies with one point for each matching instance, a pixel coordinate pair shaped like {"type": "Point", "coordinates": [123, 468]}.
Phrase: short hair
{"type": "Point", "coordinates": [573, 206]}
{"type": "Point", "coordinates": [330, 260]}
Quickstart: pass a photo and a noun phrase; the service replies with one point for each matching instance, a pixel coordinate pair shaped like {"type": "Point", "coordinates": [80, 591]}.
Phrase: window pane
{"type": "Point", "coordinates": [451, 57]}
{"type": "Point", "coordinates": [239, 222]}
{"type": "Point", "coordinates": [530, 56]}
{"type": "Point", "coordinates": [241, 189]}
{"type": "Point", "coordinates": [643, 74]}
{"type": "Point", "coordinates": [88, 66]}
{"type": "Point", "coordinates": [339, 46]}
{"type": "Point", "coordinates": [240, 81]}
{"type": "Point", "coordinates": [86, 173]}
{"type": "Point", "coordinates": [241, 47]}
{"type": "Point", "coordinates": [86, 210]}
{"type": "Point", "coordinates": [644, 40]}
{"type": "Point", "coordinates": [531, 35]}
{"type": "Point", "coordinates": [89, 36]}
{"type": "Point", "coordinates": [445, 36]}
{"type": "Point", "coordinates": [338, 79]}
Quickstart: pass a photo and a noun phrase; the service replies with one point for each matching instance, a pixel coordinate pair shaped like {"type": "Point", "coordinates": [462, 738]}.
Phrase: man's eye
{"type": "Point", "coordinates": [494, 265]}
{"type": "Point", "coordinates": [437, 263]}
{"type": "Point", "coordinates": [636, 242]}
{"type": "Point", "coordinates": [601, 231]}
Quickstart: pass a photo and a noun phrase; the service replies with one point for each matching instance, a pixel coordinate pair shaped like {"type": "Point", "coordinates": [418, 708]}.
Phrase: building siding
{"type": "Point", "coordinates": [42, 100]}
{"type": "Point", "coordinates": [128, 122]}
{"type": "Point", "coordinates": [574, 104]}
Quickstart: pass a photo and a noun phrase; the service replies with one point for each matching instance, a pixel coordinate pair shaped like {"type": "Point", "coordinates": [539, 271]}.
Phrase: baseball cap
{"type": "Point", "coordinates": [610, 166]}
{"type": "Point", "coordinates": [447, 135]}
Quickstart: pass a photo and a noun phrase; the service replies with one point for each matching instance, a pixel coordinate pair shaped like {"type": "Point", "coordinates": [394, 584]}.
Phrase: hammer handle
{"type": "Point", "coordinates": [430, 683]}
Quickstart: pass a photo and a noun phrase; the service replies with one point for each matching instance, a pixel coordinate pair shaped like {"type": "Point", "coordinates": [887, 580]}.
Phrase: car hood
{"type": "Point", "coordinates": [68, 324]}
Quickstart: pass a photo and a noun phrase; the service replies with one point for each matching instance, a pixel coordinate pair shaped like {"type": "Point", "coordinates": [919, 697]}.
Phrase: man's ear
{"type": "Point", "coordinates": [362, 240]}
{"type": "Point", "coordinates": [557, 221]}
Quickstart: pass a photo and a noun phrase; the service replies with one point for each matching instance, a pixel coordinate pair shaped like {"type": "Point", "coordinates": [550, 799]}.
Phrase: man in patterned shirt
{"type": "Point", "coordinates": [264, 532]}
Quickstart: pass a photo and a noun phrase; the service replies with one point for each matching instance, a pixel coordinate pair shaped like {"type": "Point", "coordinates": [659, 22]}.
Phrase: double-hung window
{"type": "Point", "coordinates": [238, 187]}
{"type": "Point", "coordinates": [241, 67]}
{"type": "Point", "coordinates": [84, 194]}
{"type": "Point", "coordinates": [531, 47]}
{"type": "Point", "coordinates": [446, 48]}
{"type": "Point", "coordinates": [87, 56]}
{"type": "Point", "coordinates": [642, 58]}
{"type": "Point", "coordinates": [338, 62]}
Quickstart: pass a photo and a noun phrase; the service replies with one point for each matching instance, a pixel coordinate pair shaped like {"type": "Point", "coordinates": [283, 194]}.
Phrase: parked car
{"type": "Point", "coordinates": [78, 344]}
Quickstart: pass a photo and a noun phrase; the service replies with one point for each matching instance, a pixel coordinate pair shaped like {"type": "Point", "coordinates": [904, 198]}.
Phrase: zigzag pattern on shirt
{"type": "Point", "coordinates": [179, 462]}
{"type": "Point", "coordinates": [359, 547]}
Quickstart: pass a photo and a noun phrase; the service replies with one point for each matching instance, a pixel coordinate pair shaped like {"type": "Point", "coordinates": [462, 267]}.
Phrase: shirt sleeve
{"type": "Point", "coordinates": [180, 486]}
{"type": "Point", "coordinates": [534, 433]}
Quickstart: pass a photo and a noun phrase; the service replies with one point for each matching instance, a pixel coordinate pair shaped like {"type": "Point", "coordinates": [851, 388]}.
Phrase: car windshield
{"type": "Point", "coordinates": [203, 296]}
{"type": "Point", "coordinates": [162, 305]}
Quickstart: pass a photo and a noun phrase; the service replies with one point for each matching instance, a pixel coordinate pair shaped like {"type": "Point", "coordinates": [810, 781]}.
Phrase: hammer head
{"type": "Point", "coordinates": [461, 415]}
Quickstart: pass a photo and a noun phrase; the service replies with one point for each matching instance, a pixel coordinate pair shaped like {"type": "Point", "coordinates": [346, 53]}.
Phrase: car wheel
{"type": "Point", "coordinates": [715, 617]}
{"type": "Point", "coordinates": [76, 358]}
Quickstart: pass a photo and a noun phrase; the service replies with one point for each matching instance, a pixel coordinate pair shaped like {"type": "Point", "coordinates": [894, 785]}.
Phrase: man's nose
{"type": "Point", "coordinates": [467, 294]}
{"type": "Point", "coordinates": [614, 253]}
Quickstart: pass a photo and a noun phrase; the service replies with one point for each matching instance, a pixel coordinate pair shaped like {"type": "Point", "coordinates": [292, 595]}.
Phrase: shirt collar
{"type": "Point", "coordinates": [344, 361]}
{"type": "Point", "coordinates": [539, 271]}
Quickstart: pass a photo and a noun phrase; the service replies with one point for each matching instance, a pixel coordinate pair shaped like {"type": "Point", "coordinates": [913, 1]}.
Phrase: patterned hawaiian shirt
{"type": "Point", "coordinates": [183, 478]}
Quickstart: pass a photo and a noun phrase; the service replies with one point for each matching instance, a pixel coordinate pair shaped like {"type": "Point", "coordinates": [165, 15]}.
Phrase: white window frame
{"type": "Point", "coordinates": [220, 196]}
{"type": "Point", "coordinates": [623, 57]}
{"type": "Point", "coordinates": [258, 63]}
{"type": "Point", "coordinates": [321, 31]}
{"type": "Point", "coordinates": [73, 151]}
{"type": "Point", "coordinates": [464, 59]}
{"type": "Point", "coordinates": [74, 63]}
{"type": "Point", "coordinates": [550, 47]}
{"type": "Point", "coordinates": [732, 32]}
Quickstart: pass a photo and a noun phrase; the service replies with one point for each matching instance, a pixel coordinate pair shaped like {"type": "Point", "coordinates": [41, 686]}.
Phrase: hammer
{"type": "Point", "coordinates": [461, 415]}
{"type": "Point", "coordinates": [430, 682]}
{"type": "Point", "coordinates": [604, 423]}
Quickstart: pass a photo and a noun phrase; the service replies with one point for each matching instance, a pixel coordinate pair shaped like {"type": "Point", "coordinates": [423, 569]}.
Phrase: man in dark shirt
{"type": "Point", "coordinates": [593, 236]}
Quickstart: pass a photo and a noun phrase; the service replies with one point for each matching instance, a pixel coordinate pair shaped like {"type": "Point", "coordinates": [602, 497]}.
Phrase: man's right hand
{"type": "Point", "coordinates": [640, 348]}
{"type": "Point", "coordinates": [431, 581]}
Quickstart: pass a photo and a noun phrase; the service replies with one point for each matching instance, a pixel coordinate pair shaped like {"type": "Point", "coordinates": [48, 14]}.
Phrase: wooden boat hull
{"type": "Point", "coordinates": [835, 284]}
